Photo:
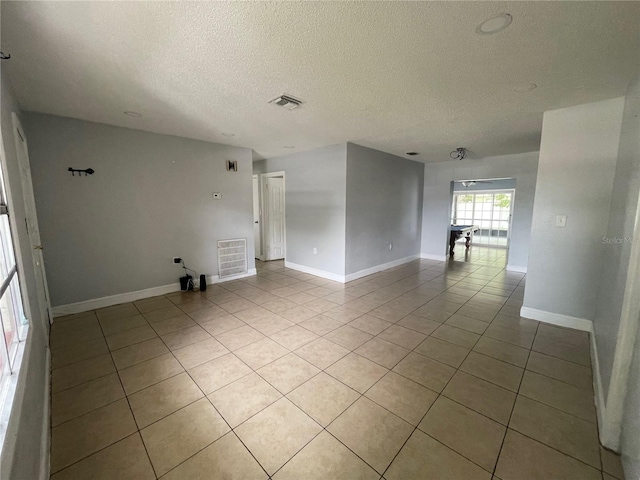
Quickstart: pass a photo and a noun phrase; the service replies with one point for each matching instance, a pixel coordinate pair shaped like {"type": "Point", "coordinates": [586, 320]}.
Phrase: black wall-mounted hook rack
{"type": "Point", "coordinates": [88, 171]}
{"type": "Point", "coordinates": [4, 56]}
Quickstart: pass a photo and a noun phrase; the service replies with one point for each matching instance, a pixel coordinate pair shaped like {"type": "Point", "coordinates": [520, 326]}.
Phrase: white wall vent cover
{"type": "Point", "coordinates": [232, 257]}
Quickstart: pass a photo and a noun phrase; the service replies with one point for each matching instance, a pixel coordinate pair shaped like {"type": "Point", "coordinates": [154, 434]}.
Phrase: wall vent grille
{"type": "Point", "coordinates": [232, 257]}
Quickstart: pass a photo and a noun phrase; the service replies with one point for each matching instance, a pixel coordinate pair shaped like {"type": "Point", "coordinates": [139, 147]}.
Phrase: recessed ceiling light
{"type": "Point", "coordinates": [288, 146]}
{"type": "Point", "coordinates": [525, 88]}
{"type": "Point", "coordinates": [412, 153]}
{"type": "Point", "coordinates": [495, 24]}
{"type": "Point", "coordinates": [228, 134]}
{"type": "Point", "coordinates": [130, 113]}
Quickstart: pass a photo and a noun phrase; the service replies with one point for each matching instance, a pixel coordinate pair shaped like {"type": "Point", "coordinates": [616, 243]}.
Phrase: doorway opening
{"type": "Point", "coordinates": [270, 215]}
{"type": "Point", "coordinates": [484, 210]}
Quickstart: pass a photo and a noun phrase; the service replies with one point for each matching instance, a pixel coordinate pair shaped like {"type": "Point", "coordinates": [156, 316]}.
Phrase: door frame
{"type": "Point", "coordinates": [29, 198]}
{"type": "Point", "coordinates": [264, 228]}
{"type": "Point", "coordinates": [256, 177]}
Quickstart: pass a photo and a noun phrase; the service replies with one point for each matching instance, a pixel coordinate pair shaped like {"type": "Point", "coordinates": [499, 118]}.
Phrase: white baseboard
{"type": "Point", "coordinates": [428, 256]}
{"type": "Point", "coordinates": [516, 268]}
{"type": "Point", "coordinates": [45, 443]}
{"type": "Point", "coordinates": [557, 319]}
{"type": "Point", "coordinates": [92, 304]}
{"type": "Point", "coordinates": [315, 271]}
{"type": "Point", "coordinates": [379, 268]}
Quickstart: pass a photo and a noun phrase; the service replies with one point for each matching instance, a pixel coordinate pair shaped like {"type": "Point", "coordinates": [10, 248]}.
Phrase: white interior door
{"type": "Point", "coordinates": [257, 240]}
{"type": "Point", "coordinates": [276, 218]}
{"type": "Point", "coordinates": [32, 218]}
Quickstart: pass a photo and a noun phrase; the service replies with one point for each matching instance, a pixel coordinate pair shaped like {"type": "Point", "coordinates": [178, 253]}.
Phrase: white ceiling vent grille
{"type": "Point", "coordinates": [286, 101]}
{"type": "Point", "coordinates": [232, 257]}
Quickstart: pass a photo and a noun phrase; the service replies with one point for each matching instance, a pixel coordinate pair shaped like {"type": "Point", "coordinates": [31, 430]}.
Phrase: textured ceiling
{"type": "Point", "coordinates": [395, 76]}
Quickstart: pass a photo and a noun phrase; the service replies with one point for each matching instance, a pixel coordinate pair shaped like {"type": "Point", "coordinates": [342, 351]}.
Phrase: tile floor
{"type": "Point", "coordinates": [422, 371]}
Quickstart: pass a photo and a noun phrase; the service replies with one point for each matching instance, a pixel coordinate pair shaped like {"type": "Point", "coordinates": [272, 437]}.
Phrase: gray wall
{"type": "Point", "coordinates": [384, 205]}
{"type": "Point", "coordinates": [578, 154]}
{"type": "Point", "coordinates": [149, 200]}
{"type": "Point", "coordinates": [622, 214]}
{"type": "Point", "coordinates": [502, 184]}
{"type": "Point", "coordinates": [27, 425]}
{"type": "Point", "coordinates": [315, 205]}
{"type": "Point", "coordinates": [436, 212]}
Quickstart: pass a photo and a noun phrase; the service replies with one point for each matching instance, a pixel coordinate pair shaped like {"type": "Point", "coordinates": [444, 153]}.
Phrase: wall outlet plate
{"type": "Point", "coordinates": [177, 260]}
{"type": "Point", "coordinates": [561, 220]}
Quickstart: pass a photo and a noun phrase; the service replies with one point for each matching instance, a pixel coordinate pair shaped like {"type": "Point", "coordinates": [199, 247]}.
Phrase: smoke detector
{"type": "Point", "coordinates": [286, 101]}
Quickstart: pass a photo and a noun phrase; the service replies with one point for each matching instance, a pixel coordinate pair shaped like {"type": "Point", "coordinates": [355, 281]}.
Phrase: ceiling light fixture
{"type": "Point", "coordinates": [494, 25]}
{"type": "Point", "coordinates": [130, 113]}
{"type": "Point", "coordinates": [459, 153]}
{"type": "Point", "coordinates": [525, 88]}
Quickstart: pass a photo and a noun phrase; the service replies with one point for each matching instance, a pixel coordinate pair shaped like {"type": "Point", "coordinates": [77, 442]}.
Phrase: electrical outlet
{"type": "Point", "coordinates": [177, 260]}
{"type": "Point", "coordinates": [315, 251]}
{"type": "Point", "coordinates": [561, 220]}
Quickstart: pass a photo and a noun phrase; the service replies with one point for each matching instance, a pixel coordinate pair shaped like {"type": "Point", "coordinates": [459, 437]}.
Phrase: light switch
{"type": "Point", "coordinates": [561, 220]}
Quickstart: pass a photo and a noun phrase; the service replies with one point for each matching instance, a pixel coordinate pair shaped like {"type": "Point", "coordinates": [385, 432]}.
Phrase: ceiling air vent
{"type": "Point", "coordinates": [287, 102]}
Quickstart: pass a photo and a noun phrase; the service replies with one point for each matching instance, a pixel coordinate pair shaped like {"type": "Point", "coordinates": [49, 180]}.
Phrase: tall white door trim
{"type": "Point", "coordinates": [267, 248]}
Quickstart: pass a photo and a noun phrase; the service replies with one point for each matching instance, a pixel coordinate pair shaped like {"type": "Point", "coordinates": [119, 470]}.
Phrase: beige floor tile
{"type": "Point", "coordinates": [182, 434]}
{"type": "Point", "coordinates": [427, 372]}
{"type": "Point", "coordinates": [486, 398]}
{"type": "Point", "coordinates": [174, 324]}
{"type": "Point", "coordinates": [298, 313]}
{"type": "Point", "coordinates": [122, 310]}
{"type": "Point", "coordinates": [516, 337]}
{"type": "Point", "coordinates": [404, 397]}
{"type": "Point", "coordinates": [343, 314]}
{"type": "Point", "coordinates": [558, 394]}
{"type": "Point", "coordinates": [402, 336]}
{"type": "Point", "coordinates": [150, 372]}
{"type": "Point", "coordinates": [81, 372]}
{"type": "Point", "coordinates": [522, 457]}
{"type": "Point", "coordinates": [280, 305]}
{"type": "Point", "coordinates": [348, 337]}
{"type": "Point", "coordinates": [562, 431]}
{"type": "Point", "coordinates": [419, 324]}
{"type": "Point", "coordinates": [271, 325]}
{"type": "Point", "coordinates": [208, 314]}
{"type": "Point", "coordinates": [382, 352]}
{"type": "Point", "coordinates": [326, 458]}
{"type": "Point", "coordinates": [184, 337]}
{"type": "Point", "coordinates": [72, 332]}
{"type": "Point", "coordinates": [277, 433]}
{"type": "Point", "coordinates": [217, 373]}
{"type": "Point", "coordinates": [495, 371]}
{"type": "Point", "coordinates": [467, 323]}
{"type": "Point", "coordinates": [151, 304]}
{"type": "Point", "coordinates": [369, 324]}
{"type": "Point", "coordinates": [261, 353]}
{"type": "Point", "coordinates": [243, 398]}
{"type": "Point", "coordinates": [565, 351]}
{"type": "Point", "coordinates": [611, 463]}
{"type": "Point", "coordinates": [288, 372]}
{"type": "Point", "coordinates": [319, 305]}
{"type": "Point", "coordinates": [564, 335]}
{"type": "Point", "coordinates": [323, 398]}
{"type": "Point", "coordinates": [516, 323]}
{"type": "Point", "coordinates": [78, 353]}
{"type": "Point", "coordinates": [321, 352]}
{"type": "Point", "coordinates": [222, 324]}
{"type": "Point", "coordinates": [130, 337]}
{"type": "Point", "coordinates": [444, 352]}
{"type": "Point", "coordinates": [372, 432]}
{"type": "Point", "coordinates": [124, 459]}
{"type": "Point", "coordinates": [226, 458]}
{"type": "Point", "coordinates": [432, 313]}
{"type": "Point", "coordinates": [506, 352]}
{"type": "Point", "coordinates": [138, 353]}
{"type": "Point", "coordinates": [197, 304]}
{"type": "Point", "coordinates": [85, 435]}
{"type": "Point", "coordinates": [236, 305]}
{"type": "Point", "coordinates": [159, 400]}
{"type": "Point", "coordinates": [76, 401]}
{"type": "Point", "coordinates": [199, 353]}
{"type": "Point", "coordinates": [320, 325]}
{"type": "Point", "coordinates": [122, 324]}
{"type": "Point", "coordinates": [239, 337]}
{"type": "Point", "coordinates": [294, 337]}
{"type": "Point", "coordinates": [457, 336]}
{"type": "Point", "coordinates": [357, 372]}
{"type": "Point", "coordinates": [468, 433]}
{"type": "Point", "coordinates": [163, 314]}
{"type": "Point", "coordinates": [571, 373]}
